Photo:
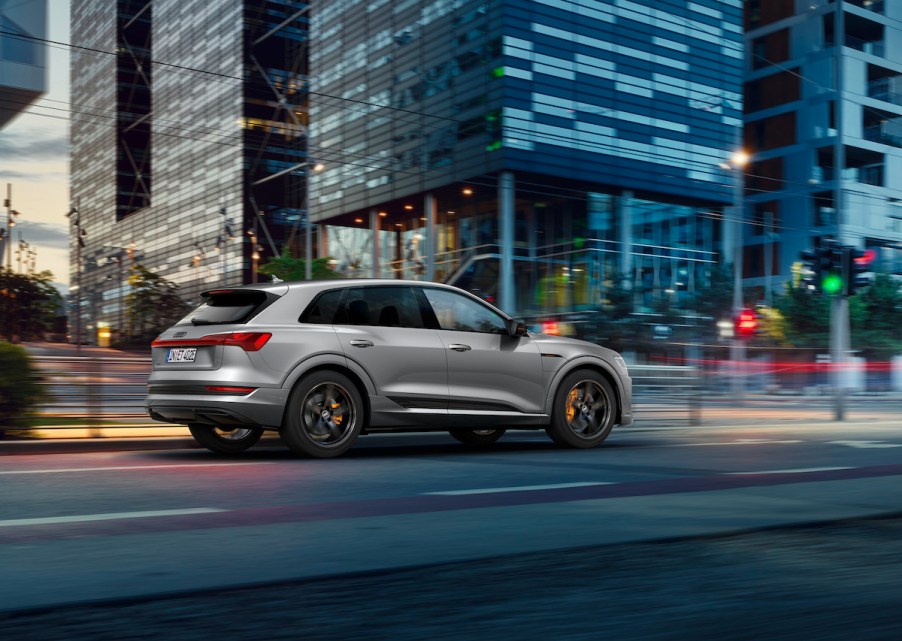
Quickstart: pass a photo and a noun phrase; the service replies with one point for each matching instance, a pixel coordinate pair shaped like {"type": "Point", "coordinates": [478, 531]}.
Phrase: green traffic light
{"type": "Point", "coordinates": [831, 284]}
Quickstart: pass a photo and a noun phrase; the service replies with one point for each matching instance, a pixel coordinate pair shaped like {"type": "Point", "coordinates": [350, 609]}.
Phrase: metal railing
{"type": "Point", "coordinates": [101, 395]}
{"type": "Point", "coordinates": [667, 392]}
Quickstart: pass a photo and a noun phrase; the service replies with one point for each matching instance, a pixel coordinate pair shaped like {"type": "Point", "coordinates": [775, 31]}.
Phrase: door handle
{"type": "Point", "coordinates": [458, 347]}
{"type": "Point", "coordinates": [360, 343]}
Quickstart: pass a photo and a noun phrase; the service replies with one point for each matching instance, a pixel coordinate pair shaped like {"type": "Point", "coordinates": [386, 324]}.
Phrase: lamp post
{"type": "Point", "coordinates": [7, 235]}
{"type": "Point", "coordinates": [737, 164]}
{"type": "Point", "coordinates": [308, 232]}
{"type": "Point", "coordinates": [74, 218]}
{"type": "Point", "coordinates": [118, 259]}
{"type": "Point", "coordinates": [255, 253]}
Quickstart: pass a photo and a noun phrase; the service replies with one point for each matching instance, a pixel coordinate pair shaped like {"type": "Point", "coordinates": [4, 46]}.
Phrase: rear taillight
{"type": "Point", "coordinates": [248, 341]}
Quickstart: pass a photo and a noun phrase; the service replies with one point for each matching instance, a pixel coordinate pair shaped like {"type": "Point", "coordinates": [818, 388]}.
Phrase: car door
{"type": "Point", "coordinates": [381, 329]}
{"type": "Point", "coordinates": [488, 369]}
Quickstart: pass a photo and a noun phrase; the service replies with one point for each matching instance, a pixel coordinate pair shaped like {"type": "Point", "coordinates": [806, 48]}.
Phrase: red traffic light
{"type": "Point", "coordinates": [746, 323]}
{"type": "Point", "coordinates": [866, 258]}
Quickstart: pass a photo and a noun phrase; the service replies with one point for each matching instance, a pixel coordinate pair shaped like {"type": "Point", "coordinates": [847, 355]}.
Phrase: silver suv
{"type": "Point", "coordinates": [323, 362]}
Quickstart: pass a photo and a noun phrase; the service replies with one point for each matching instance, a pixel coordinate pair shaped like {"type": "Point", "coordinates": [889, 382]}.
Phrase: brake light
{"type": "Point", "coordinates": [226, 389]}
{"type": "Point", "coordinates": [248, 341]}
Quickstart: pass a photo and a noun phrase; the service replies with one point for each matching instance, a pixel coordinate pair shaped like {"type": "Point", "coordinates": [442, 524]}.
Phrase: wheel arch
{"type": "Point", "coordinates": [597, 366]}
{"type": "Point", "coordinates": [338, 364]}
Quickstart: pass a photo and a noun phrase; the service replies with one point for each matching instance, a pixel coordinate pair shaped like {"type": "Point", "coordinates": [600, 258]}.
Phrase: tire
{"type": "Point", "coordinates": [478, 438]}
{"type": "Point", "coordinates": [325, 415]}
{"type": "Point", "coordinates": [584, 410]}
{"type": "Point", "coordinates": [225, 441]}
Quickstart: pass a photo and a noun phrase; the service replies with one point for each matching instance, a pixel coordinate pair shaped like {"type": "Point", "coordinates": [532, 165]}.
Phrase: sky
{"type": "Point", "coordinates": [34, 160]}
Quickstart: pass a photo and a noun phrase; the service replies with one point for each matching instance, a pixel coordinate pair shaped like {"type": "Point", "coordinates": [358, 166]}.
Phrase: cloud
{"type": "Point", "coordinates": [24, 148]}
{"type": "Point", "coordinates": [9, 174]}
{"type": "Point", "coordinates": [50, 235]}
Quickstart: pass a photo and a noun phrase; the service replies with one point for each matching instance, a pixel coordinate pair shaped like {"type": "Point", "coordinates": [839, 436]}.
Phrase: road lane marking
{"type": "Point", "coordinates": [517, 488]}
{"type": "Point", "coordinates": [866, 444]}
{"type": "Point", "coordinates": [112, 516]}
{"type": "Point", "coordinates": [741, 441]}
{"type": "Point", "coordinates": [119, 468]}
{"type": "Point", "coordinates": [803, 470]}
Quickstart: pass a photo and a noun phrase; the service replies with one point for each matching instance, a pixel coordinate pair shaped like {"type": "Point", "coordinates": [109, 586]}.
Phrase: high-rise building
{"type": "Point", "coordinates": [823, 101]}
{"type": "Point", "coordinates": [530, 150]}
{"type": "Point", "coordinates": [188, 143]}
{"type": "Point", "coordinates": [23, 55]}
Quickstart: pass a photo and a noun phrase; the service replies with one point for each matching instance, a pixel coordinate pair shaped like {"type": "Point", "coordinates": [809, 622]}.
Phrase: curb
{"type": "Point", "coordinates": [82, 445]}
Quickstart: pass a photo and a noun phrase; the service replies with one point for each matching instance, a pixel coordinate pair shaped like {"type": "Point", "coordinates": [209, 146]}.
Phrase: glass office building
{"type": "Point", "coordinates": [188, 143]}
{"type": "Point", "coordinates": [824, 121]}
{"type": "Point", "coordinates": [529, 150]}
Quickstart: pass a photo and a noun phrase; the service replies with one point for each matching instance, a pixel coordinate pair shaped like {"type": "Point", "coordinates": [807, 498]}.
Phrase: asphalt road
{"type": "Point", "coordinates": [828, 582]}
{"type": "Point", "coordinates": [661, 533]}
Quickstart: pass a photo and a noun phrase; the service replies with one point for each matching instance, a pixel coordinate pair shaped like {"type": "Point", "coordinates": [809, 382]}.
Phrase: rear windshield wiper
{"type": "Point", "coordinates": [204, 321]}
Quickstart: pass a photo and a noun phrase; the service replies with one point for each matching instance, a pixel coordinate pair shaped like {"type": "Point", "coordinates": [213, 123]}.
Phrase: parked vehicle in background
{"type": "Point", "coordinates": [323, 362]}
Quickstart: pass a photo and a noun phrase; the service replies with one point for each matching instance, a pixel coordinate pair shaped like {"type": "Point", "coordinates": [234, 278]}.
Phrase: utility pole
{"type": "Point", "coordinates": [11, 215]}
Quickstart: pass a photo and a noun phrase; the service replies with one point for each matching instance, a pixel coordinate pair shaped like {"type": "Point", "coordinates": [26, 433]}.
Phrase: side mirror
{"type": "Point", "coordinates": [516, 328]}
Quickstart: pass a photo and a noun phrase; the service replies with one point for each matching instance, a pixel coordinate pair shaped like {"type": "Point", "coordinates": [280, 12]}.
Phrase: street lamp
{"type": "Point", "coordinates": [255, 254]}
{"type": "Point", "coordinates": [80, 235]}
{"type": "Point", "coordinates": [737, 164]}
{"type": "Point", "coordinates": [308, 235]}
{"type": "Point", "coordinates": [118, 259]}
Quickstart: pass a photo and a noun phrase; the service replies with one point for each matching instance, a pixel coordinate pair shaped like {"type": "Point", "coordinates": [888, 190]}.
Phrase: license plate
{"type": "Point", "coordinates": [181, 355]}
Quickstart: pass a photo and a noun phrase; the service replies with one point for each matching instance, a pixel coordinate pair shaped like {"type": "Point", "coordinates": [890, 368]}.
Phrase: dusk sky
{"type": "Point", "coordinates": [34, 159]}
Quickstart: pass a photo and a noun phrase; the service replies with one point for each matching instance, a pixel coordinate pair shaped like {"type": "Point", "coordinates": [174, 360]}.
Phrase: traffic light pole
{"type": "Point", "coordinates": [839, 348]}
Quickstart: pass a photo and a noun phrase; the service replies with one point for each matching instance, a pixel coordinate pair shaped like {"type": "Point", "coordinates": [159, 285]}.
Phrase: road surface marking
{"type": "Point", "coordinates": [112, 516]}
{"type": "Point", "coordinates": [119, 468]}
{"type": "Point", "coordinates": [741, 441]}
{"type": "Point", "coordinates": [796, 471]}
{"type": "Point", "coordinates": [518, 488]}
{"type": "Point", "coordinates": [866, 444]}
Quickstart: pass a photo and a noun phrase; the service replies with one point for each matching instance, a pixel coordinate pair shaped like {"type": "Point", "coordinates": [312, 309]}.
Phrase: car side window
{"type": "Point", "coordinates": [460, 313]}
{"type": "Point", "coordinates": [380, 307]}
{"type": "Point", "coordinates": [323, 308]}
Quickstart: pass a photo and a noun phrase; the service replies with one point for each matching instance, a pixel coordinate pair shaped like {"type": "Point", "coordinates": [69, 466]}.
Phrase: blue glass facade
{"type": "Point", "coordinates": [509, 142]}
{"type": "Point", "coordinates": [623, 93]}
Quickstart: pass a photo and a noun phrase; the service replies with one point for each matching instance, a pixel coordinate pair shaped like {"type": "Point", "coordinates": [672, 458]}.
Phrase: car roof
{"type": "Point", "coordinates": [284, 286]}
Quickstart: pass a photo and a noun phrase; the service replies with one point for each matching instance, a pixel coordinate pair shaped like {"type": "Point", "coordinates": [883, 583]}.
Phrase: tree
{"type": "Point", "coordinates": [805, 316]}
{"type": "Point", "coordinates": [613, 325]}
{"type": "Point", "coordinates": [877, 319]}
{"type": "Point", "coordinates": [20, 389]}
{"type": "Point", "coordinates": [716, 300]}
{"type": "Point", "coordinates": [153, 304]}
{"type": "Point", "coordinates": [287, 267]}
{"type": "Point", "coordinates": [30, 305]}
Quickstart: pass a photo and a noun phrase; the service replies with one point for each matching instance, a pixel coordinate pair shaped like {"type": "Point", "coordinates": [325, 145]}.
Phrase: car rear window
{"type": "Point", "coordinates": [227, 308]}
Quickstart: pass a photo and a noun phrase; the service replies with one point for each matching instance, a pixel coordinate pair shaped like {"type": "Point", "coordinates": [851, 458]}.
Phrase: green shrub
{"type": "Point", "coordinates": [20, 391]}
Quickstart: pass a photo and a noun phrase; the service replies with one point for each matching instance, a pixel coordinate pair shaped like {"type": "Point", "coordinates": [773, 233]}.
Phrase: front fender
{"type": "Point", "coordinates": [583, 362]}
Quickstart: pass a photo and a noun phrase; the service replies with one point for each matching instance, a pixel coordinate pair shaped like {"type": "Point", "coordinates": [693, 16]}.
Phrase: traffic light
{"type": "Point", "coordinates": [855, 262]}
{"type": "Point", "coordinates": [746, 324]}
{"type": "Point", "coordinates": [823, 268]}
{"type": "Point", "coordinates": [831, 268]}
{"type": "Point", "coordinates": [811, 275]}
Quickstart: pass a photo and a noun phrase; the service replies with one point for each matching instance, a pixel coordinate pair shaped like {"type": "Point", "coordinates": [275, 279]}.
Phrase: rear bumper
{"type": "Point", "coordinates": [262, 408]}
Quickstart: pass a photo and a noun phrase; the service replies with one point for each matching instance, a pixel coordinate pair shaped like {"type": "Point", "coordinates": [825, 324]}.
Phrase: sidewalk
{"type": "Point", "coordinates": [69, 350]}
